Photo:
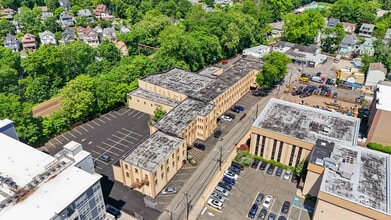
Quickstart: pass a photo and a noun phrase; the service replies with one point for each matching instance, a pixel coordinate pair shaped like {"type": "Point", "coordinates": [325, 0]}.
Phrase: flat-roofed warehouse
{"type": "Point", "coordinates": [286, 132]}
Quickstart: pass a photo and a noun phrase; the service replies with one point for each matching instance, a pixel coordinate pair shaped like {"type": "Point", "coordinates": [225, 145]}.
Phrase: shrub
{"type": "Point", "coordinates": [275, 163]}
{"type": "Point", "coordinates": [379, 147]}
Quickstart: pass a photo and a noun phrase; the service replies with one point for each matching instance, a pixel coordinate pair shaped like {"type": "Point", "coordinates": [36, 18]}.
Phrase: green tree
{"type": "Point", "coordinates": [301, 168]}
{"type": "Point", "coordinates": [354, 11]}
{"type": "Point", "coordinates": [30, 20]}
{"type": "Point", "coordinates": [58, 11]}
{"type": "Point", "coordinates": [278, 8]}
{"type": "Point", "coordinates": [54, 124]}
{"type": "Point", "coordinates": [158, 113]}
{"type": "Point", "coordinates": [334, 36]}
{"type": "Point", "coordinates": [8, 80]}
{"type": "Point", "coordinates": [382, 53]}
{"type": "Point", "coordinates": [109, 51]}
{"type": "Point", "coordinates": [51, 24]}
{"type": "Point", "coordinates": [303, 28]}
{"type": "Point", "coordinates": [6, 27]}
{"type": "Point", "coordinates": [9, 59]}
{"type": "Point", "coordinates": [51, 4]}
{"type": "Point", "coordinates": [274, 69]}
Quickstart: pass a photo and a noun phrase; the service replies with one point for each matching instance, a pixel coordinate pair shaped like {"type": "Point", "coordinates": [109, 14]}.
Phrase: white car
{"type": "Point", "coordinates": [169, 190]}
{"type": "Point", "coordinates": [226, 118]}
{"type": "Point", "coordinates": [287, 174]}
{"type": "Point", "coordinates": [215, 204]}
{"type": "Point", "coordinates": [217, 197]}
{"type": "Point", "coordinates": [268, 201]}
{"type": "Point", "coordinates": [231, 174]}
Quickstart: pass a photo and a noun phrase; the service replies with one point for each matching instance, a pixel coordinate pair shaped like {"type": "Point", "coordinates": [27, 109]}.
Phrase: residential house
{"type": "Point", "coordinates": [123, 29]}
{"type": "Point", "coordinates": [348, 44]}
{"type": "Point", "coordinates": [277, 30]}
{"type": "Point", "coordinates": [332, 22]}
{"type": "Point", "coordinates": [8, 13]}
{"type": "Point", "coordinates": [304, 55]}
{"type": "Point", "coordinates": [376, 72]}
{"type": "Point", "coordinates": [68, 36]}
{"type": "Point", "coordinates": [349, 27]}
{"type": "Point", "coordinates": [11, 42]}
{"type": "Point", "coordinates": [66, 19]}
{"type": "Point", "coordinates": [66, 4]}
{"type": "Point", "coordinates": [88, 35]}
{"type": "Point", "coordinates": [387, 36]}
{"type": "Point", "coordinates": [85, 13]}
{"type": "Point", "coordinates": [28, 41]}
{"type": "Point", "coordinates": [122, 47]}
{"type": "Point", "coordinates": [258, 51]}
{"type": "Point", "coordinates": [367, 48]}
{"type": "Point", "coordinates": [46, 14]}
{"type": "Point", "coordinates": [47, 37]}
{"type": "Point", "coordinates": [101, 11]}
{"type": "Point", "coordinates": [366, 30]}
{"type": "Point", "coordinates": [17, 27]}
{"type": "Point", "coordinates": [109, 34]}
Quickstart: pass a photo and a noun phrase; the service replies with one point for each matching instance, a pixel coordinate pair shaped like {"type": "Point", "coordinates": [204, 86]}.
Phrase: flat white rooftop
{"type": "Point", "coordinates": [384, 96]}
{"type": "Point", "coordinates": [370, 177]}
{"type": "Point", "coordinates": [307, 123]}
{"type": "Point", "coordinates": [43, 190]}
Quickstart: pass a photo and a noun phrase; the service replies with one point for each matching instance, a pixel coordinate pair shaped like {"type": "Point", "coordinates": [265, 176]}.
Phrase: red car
{"type": "Point", "coordinates": [224, 62]}
{"type": "Point", "coordinates": [295, 178]}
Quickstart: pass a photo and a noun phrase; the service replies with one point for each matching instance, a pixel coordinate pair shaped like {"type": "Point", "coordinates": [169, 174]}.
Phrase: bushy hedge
{"type": "Point", "coordinates": [379, 147]}
{"type": "Point", "coordinates": [244, 157]}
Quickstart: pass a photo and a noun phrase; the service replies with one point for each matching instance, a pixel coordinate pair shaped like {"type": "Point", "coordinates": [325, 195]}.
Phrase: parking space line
{"type": "Point", "coordinates": [75, 129]}
{"type": "Point", "coordinates": [104, 116]}
{"type": "Point", "coordinates": [140, 116]}
{"type": "Point", "coordinates": [70, 133]}
{"type": "Point", "coordinates": [136, 114]}
{"type": "Point", "coordinates": [100, 147]}
{"type": "Point", "coordinates": [112, 115]}
{"type": "Point", "coordinates": [111, 146]}
{"type": "Point", "coordinates": [89, 125]}
{"type": "Point", "coordinates": [130, 142]}
{"type": "Point", "coordinates": [95, 152]}
{"type": "Point", "coordinates": [101, 120]}
{"type": "Point", "coordinates": [125, 135]}
{"type": "Point", "coordinates": [58, 140]}
{"type": "Point", "coordinates": [93, 121]}
{"type": "Point", "coordinates": [65, 137]}
{"type": "Point", "coordinates": [131, 112]}
{"type": "Point", "coordinates": [98, 167]}
{"type": "Point", "coordinates": [131, 132]}
{"type": "Point", "coordinates": [52, 144]}
{"type": "Point", "coordinates": [83, 128]}
{"type": "Point", "coordinates": [114, 153]}
{"type": "Point", "coordinates": [126, 146]}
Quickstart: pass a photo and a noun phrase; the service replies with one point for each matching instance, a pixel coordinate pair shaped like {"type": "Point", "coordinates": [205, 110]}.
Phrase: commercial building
{"type": "Point", "coordinates": [349, 182]}
{"type": "Point", "coordinates": [379, 120]}
{"type": "Point", "coordinates": [286, 132]}
{"type": "Point", "coordinates": [193, 102]}
{"type": "Point", "coordinates": [35, 185]}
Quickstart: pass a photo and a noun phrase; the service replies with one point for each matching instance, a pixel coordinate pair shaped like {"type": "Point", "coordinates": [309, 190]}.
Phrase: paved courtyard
{"type": "Point", "coordinates": [250, 182]}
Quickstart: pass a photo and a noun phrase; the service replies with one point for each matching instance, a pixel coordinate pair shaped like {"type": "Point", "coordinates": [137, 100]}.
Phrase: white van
{"type": "Point", "coordinates": [220, 190]}
{"type": "Point", "coordinates": [337, 58]}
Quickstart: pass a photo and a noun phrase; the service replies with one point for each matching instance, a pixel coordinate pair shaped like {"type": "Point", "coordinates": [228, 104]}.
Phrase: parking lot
{"type": "Point", "coordinates": [244, 192]}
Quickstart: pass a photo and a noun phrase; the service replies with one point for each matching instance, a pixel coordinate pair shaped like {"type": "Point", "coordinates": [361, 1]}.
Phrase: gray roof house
{"type": "Point", "coordinates": [85, 13]}
{"type": "Point", "coordinates": [367, 48]}
{"type": "Point", "coordinates": [348, 44]}
{"type": "Point", "coordinates": [66, 4]}
{"type": "Point", "coordinates": [277, 29]}
{"type": "Point", "coordinates": [68, 36]}
{"type": "Point", "coordinates": [109, 34]}
{"type": "Point", "coordinates": [366, 30]}
{"type": "Point", "coordinates": [8, 13]}
{"type": "Point", "coordinates": [12, 43]}
{"type": "Point", "coordinates": [376, 72]}
{"type": "Point", "coordinates": [47, 37]}
{"type": "Point", "coordinates": [46, 14]}
{"type": "Point", "coordinates": [332, 22]}
{"type": "Point", "coordinates": [66, 19]}
{"type": "Point", "coordinates": [123, 29]}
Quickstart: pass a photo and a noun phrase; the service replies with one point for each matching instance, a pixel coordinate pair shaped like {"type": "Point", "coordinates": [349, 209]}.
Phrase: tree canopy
{"type": "Point", "coordinates": [274, 69]}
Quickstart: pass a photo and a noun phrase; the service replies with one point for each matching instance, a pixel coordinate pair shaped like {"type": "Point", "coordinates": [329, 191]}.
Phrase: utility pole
{"type": "Point", "coordinates": [221, 157]}
{"type": "Point", "coordinates": [187, 206]}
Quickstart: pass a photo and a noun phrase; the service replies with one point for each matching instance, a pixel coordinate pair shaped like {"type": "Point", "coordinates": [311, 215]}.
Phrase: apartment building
{"type": "Point", "coordinates": [193, 102]}
{"type": "Point", "coordinates": [286, 132]}
{"type": "Point", "coordinates": [349, 182]}
{"type": "Point", "coordinates": [35, 185]}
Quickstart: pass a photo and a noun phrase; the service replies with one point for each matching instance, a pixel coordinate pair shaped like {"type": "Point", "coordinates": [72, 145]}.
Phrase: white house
{"type": "Point", "coordinates": [47, 37]}
{"type": "Point", "coordinates": [376, 72]}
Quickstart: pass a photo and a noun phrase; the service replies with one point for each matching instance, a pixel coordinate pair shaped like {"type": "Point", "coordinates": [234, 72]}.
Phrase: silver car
{"type": "Point", "coordinates": [217, 197]}
{"type": "Point", "coordinates": [287, 174]}
{"type": "Point", "coordinates": [169, 190]}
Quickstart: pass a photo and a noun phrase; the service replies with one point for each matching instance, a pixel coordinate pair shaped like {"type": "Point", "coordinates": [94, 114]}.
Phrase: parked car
{"type": "Point", "coordinates": [304, 77]}
{"type": "Point", "coordinates": [330, 81]}
{"type": "Point", "coordinates": [285, 207]}
{"type": "Point", "coordinates": [169, 190]}
{"type": "Point", "coordinates": [217, 133]}
{"type": "Point", "coordinates": [215, 204]}
{"type": "Point", "coordinates": [104, 157]}
{"type": "Point", "coordinates": [234, 169]}
{"type": "Point", "coordinates": [240, 108]}
{"type": "Point", "coordinates": [231, 174]}
{"type": "Point", "coordinates": [237, 165]}
{"type": "Point", "coordinates": [316, 92]}
{"type": "Point", "coordinates": [199, 146]}
{"type": "Point", "coordinates": [259, 198]}
{"type": "Point", "coordinates": [230, 115]}
{"type": "Point", "coordinates": [295, 178]}
{"type": "Point", "coordinates": [253, 211]}
{"type": "Point", "coordinates": [287, 174]}
{"type": "Point", "coordinates": [217, 197]}
{"type": "Point", "coordinates": [279, 171]}
{"type": "Point", "coordinates": [225, 186]}
{"type": "Point", "coordinates": [268, 201]}
{"type": "Point", "coordinates": [270, 170]}
{"type": "Point", "coordinates": [263, 165]}
{"type": "Point", "coordinates": [221, 191]}
{"type": "Point", "coordinates": [335, 94]}
{"type": "Point", "coordinates": [281, 218]}
{"type": "Point", "coordinates": [235, 110]}
{"type": "Point", "coordinates": [262, 214]}
{"type": "Point", "coordinates": [228, 180]}
{"type": "Point", "coordinates": [272, 216]}
{"type": "Point", "coordinates": [316, 79]}
{"type": "Point", "coordinates": [318, 74]}
{"type": "Point", "coordinates": [255, 163]}
{"type": "Point", "coordinates": [115, 212]}
{"type": "Point", "coordinates": [226, 118]}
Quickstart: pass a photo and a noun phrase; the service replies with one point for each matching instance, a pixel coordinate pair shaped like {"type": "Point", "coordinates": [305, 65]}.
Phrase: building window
{"type": "Point", "coordinates": [172, 156]}
{"type": "Point", "coordinates": [146, 176]}
{"type": "Point", "coordinates": [136, 170]}
{"type": "Point", "coordinates": [280, 151]}
{"type": "Point", "coordinates": [162, 175]}
{"type": "Point", "coordinates": [263, 145]}
{"type": "Point", "coordinates": [168, 169]}
{"type": "Point", "coordinates": [257, 144]}
{"type": "Point", "coordinates": [126, 166]}
{"type": "Point", "coordinates": [274, 148]}
{"type": "Point", "coordinates": [292, 155]}
{"type": "Point", "coordinates": [155, 182]}
{"type": "Point", "coordinates": [127, 174]}
{"type": "Point", "coordinates": [299, 156]}
{"type": "Point", "coordinates": [138, 100]}
{"type": "Point", "coordinates": [161, 167]}
{"type": "Point", "coordinates": [173, 163]}
{"type": "Point", "coordinates": [145, 103]}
